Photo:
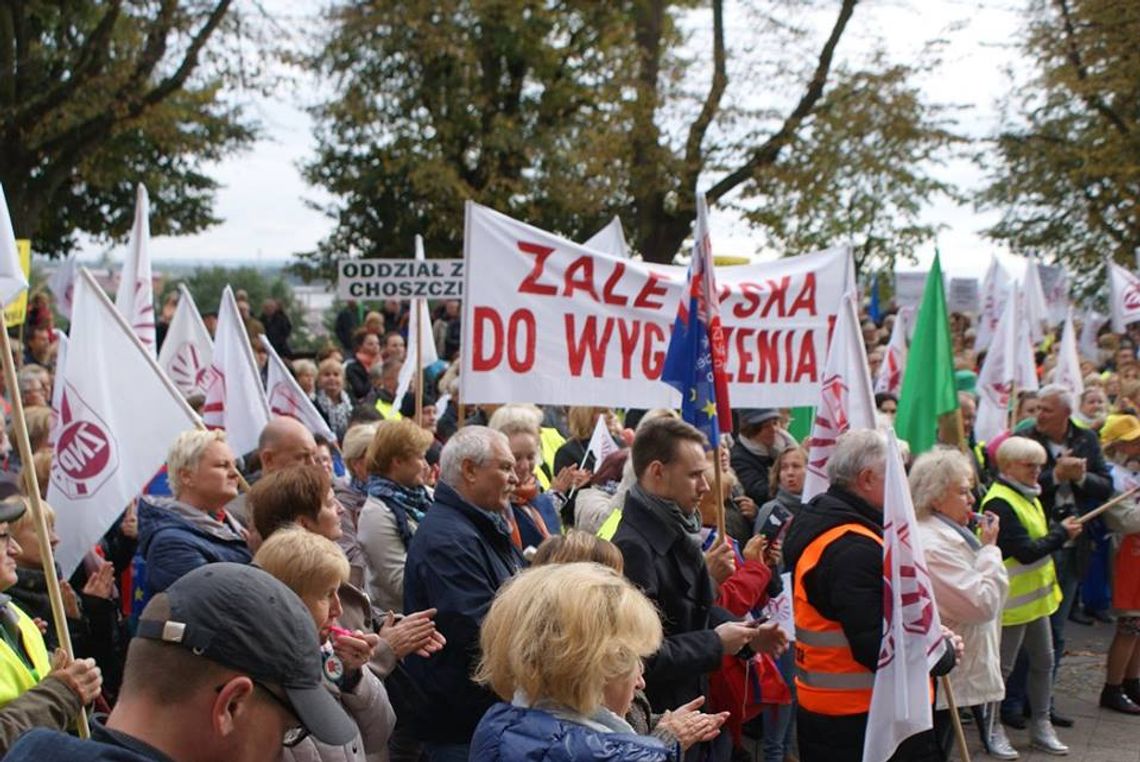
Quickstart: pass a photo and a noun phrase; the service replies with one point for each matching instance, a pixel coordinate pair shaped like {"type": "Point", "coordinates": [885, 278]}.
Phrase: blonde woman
{"type": "Point", "coordinates": [970, 584]}
{"type": "Point", "coordinates": [332, 401]}
{"type": "Point", "coordinates": [562, 646]}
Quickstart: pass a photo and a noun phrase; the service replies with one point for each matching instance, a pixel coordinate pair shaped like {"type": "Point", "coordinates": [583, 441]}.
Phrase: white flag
{"type": "Point", "coordinates": [1091, 323]}
{"type": "Point", "coordinates": [62, 343]}
{"type": "Point", "coordinates": [912, 631]}
{"type": "Point", "coordinates": [1124, 295]}
{"type": "Point", "coordinates": [118, 416]}
{"type": "Point", "coordinates": [286, 397]}
{"type": "Point", "coordinates": [894, 360]}
{"type": "Point", "coordinates": [1055, 285]}
{"type": "Point", "coordinates": [1068, 370]}
{"type": "Point", "coordinates": [1008, 363]}
{"type": "Point", "coordinates": [188, 351]}
{"type": "Point", "coordinates": [62, 284]}
{"type": "Point", "coordinates": [12, 279]}
{"type": "Point", "coordinates": [419, 322]}
{"type": "Point", "coordinates": [845, 397]}
{"type": "Point", "coordinates": [610, 240]}
{"type": "Point", "coordinates": [1036, 313]}
{"type": "Point", "coordinates": [601, 442]}
{"type": "Point", "coordinates": [994, 293]}
{"type": "Point", "coordinates": [135, 298]}
{"type": "Point", "coordinates": [235, 399]}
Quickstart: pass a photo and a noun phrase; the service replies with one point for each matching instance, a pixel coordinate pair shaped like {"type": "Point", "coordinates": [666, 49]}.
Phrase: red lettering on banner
{"type": "Point", "coordinates": [577, 347]}
{"type": "Point", "coordinates": [788, 355]}
{"type": "Point", "coordinates": [608, 295]}
{"type": "Point", "coordinates": [479, 360]}
{"type": "Point", "coordinates": [768, 349]}
{"type": "Point", "coordinates": [530, 284]}
{"type": "Point", "coordinates": [628, 333]}
{"type": "Point", "coordinates": [652, 360]}
{"type": "Point", "coordinates": [526, 361]}
{"type": "Point", "coordinates": [750, 299]}
{"type": "Point", "coordinates": [744, 357]}
{"type": "Point", "coordinates": [777, 297]}
{"type": "Point", "coordinates": [805, 300]}
{"type": "Point", "coordinates": [585, 283]}
{"type": "Point", "coordinates": [806, 364]}
{"type": "Point", "coordinates": [651, 288]}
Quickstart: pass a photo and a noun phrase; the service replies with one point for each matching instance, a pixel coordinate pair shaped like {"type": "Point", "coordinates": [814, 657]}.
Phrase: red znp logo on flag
{"type": "Point", "coordinates": [914, 591]}
{"type": "Point", "coordinates": [830, 421]}
{"type": "Point", "coordinates": [1131, 296]}
{"type": "Point", "coordinates": [86, 455]}
{"type": "Point", "coordinates": [187, 370]}
{"type": "Point", "coordinates": [283, 400]}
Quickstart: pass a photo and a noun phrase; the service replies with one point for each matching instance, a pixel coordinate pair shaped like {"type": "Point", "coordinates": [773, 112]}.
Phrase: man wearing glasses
{"type": "Point", "coordinates": [225, 666]}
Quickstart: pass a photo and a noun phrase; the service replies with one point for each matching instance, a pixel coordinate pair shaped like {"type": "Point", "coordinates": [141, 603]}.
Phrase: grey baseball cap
{"type": "Point", "coordinates": [244, 618]}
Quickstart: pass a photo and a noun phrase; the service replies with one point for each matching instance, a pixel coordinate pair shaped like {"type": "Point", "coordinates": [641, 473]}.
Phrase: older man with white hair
{"type": "Point", "coordinates": [835, 546]}
{"type": "Point", "coordinates": [460, 555]}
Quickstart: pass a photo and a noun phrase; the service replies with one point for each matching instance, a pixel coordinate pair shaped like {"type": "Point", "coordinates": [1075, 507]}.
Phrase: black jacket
{"type": "Point", "coordinates": [1097, 486]}
{"type": "Point", "coordinates": [671, 571]}
{"type": "Point", "coordinates": [753, 472]}
{"type": "Point", "coordinates": [1013, 538]}
{"type": "Point", "coordinates": [356, 376]}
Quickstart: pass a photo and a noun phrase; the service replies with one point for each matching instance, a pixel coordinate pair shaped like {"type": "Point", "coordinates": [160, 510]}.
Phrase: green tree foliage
{"type": "Point", "coordinates": [567, 113]}
{"type": "Point", "coordinates": [858, 171]}
{"type": "Point", "coordinates": [98, 95]}
{"type": "Point", "coordinates": [206, 284]}
{"type": "Point", "coordinates": [1067, 180]}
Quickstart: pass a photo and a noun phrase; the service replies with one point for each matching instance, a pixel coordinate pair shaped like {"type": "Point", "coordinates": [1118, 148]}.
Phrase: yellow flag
{"type": "Point", "coordinates": [16, 312]}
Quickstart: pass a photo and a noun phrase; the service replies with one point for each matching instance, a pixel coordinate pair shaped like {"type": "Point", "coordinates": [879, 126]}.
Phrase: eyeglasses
{"type": "Point", "coordinates": [294, 734]}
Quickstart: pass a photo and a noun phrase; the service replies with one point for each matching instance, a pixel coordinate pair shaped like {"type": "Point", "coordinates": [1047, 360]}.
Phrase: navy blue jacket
{"type": "Point", "coordinates": [457, 560]}
{"type": "Point", "coordinates": [42, 745]}
{"type": "Point", "coordinates": [511, 733]}
{"type": "Point", "coordinates": [176, 539]}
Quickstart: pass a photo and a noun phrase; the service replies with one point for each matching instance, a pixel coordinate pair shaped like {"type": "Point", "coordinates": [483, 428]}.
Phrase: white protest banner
{"type": "Point", "coordinates": [118, 415]}
{"type": "Point", "coordinates": [372, 279]}
{"type": "Point", "coordinates": [908, 288]}
{"type": "Point", "coordinates": [552, 322]}
{"type": "Point", "coordinates": [235, 398]}
{"type": "Point", "coordinates": [187, 352]}
{"type": "Point", "coordinates": [610, 240]}
{"type": "Point", "coordinates": [1124, 297]}
{"type": "Point", "coordinates": [963, 296]}
{"type": "Point", "coordinates": [1055, 285]}
{"type": "Point", "coordinates": [995, 288]}
{"type": "Point", "coordinates": [135, 298]}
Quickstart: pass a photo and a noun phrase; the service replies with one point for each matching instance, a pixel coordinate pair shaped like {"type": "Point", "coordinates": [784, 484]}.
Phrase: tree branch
{"type": "Point", "coordinates": [1073, 53]}
{"type": "Point", "coordinates": [767, 153]}
{"type": "Point", "coordinates": [699, 128]}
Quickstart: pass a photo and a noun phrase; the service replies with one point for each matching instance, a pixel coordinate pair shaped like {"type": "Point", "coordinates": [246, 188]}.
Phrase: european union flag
{"type": "Point", "coordinates": [874, 310]}
{"type": "Point", "coordinates": [694, 361]}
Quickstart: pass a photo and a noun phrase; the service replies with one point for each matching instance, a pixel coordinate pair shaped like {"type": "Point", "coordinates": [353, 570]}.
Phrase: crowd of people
{"type": "Point", "coordinates": [468, 582]}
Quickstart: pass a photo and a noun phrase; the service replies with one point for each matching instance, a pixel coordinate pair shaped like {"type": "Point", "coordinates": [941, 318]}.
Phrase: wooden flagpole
{"type": "Point", "coordinates": [20, 428]}
{"type": "Point", "coordinates": [952, 706]}
{"type": "Point", "coordinates": [719, 493]}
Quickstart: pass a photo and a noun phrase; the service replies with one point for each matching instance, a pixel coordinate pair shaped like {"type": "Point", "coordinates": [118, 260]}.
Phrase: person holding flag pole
{"type": "Point", "coordinates": [12, 282]}
{"type": "Point", "coordinates": [695, 360]}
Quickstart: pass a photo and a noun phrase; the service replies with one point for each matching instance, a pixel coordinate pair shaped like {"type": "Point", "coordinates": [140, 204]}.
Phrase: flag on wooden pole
{"type": "Point", "coordinates": [187, 353]}
{"type": "Point", "coordinates": [235, 398]}
{"type": "Point", "coordinates": [12, 278]}
{"type": "Point", "coordinates": [286, 397]}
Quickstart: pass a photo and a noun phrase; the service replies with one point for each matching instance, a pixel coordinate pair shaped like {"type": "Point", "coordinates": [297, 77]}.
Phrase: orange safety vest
{"type": "Point", "coordinates": [828, 679]}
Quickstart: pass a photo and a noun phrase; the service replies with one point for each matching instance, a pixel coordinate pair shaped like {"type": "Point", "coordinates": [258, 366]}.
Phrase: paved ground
{"type": "Point", "coordinates": [1099, 734]}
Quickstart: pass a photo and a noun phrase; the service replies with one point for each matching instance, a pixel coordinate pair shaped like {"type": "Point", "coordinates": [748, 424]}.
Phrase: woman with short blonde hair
{"type": "Point", "coordinates": [564, 645]}
{"type": "Point", "coordinates": [186, 453]}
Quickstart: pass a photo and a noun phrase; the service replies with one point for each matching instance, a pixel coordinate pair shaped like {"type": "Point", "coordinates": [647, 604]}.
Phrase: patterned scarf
{"type": "Point", "coordinates": [401, 501]}
{"type": "Point", "coordinates": [336, 413]}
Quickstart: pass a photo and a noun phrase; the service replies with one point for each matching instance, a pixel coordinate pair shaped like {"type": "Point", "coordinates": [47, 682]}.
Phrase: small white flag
{"type": "Point", "coordinates": [135, 298]}
{"type": "Point", "coordinates": [12, 278]}
{"type": "Point", "coordinates": [610, 240]}
{"type": "Point", "coordinates": [995, 290]}
{"type": "Point", "coordinates": [187, 351]}
{"type": "Point", "coordinates": [1036, 313]}
{"type": "Point", "coordinates": [118, 415]}
{"type": "Point", "coordinates": [1068, 370]}
{"type": "Point", "coordinates": [235, 398]}
{"type": "Point", "coordinates": [845, 398]}
{"type": "Point", "coordinates": [1003, 368]}
{"type": "Point", "coordinates": [894, 359]}
{"type": "Point", "coordinates": [62, 284]}
{"type": "Point", "coordinates": [1124, 290]}
{"type": "Point", "coordinates": [287, 398]}
{"type": "Point", "coordinates": [57, 388]}
{"type": "Point", "coordinates": [912, 640]}
{"type": "Point", "coordinates": [1091, 323]}
{"type": "Point", "coordinates": [601, 443]}
{"type": "Point", "coordinates": [419, 322]}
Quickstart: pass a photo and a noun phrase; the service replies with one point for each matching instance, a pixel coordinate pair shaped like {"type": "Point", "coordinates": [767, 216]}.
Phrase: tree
{"type": "Point", "coordinates": [561, 113]}
{"type": "Point", "coordinates": [206, 284]}
{"type": "Point", "coordinates": [857, 171]}
{"type": "Point", "coordinates": [96, 96]}
{"type": "Point", "coordinates": [1067, 179]}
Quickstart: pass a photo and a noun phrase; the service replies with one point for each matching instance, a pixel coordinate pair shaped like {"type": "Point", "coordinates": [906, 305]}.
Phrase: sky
{"type": "Point", "coordinates": [262, 198]}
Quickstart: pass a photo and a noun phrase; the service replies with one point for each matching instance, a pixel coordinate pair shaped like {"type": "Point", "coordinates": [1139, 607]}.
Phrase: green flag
{"type": "Point", "coordinates": [928, 385]}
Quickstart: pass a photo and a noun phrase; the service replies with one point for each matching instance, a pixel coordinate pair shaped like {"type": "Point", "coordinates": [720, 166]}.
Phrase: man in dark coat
{"type": "Point", "coordinates": [459, 557]}
{"type": "Point", "coordinates": [659, 537]}
{"type": "Point", "coordinates": [846, 586]}
{"type": "Point", "coordinates": [278, 327]}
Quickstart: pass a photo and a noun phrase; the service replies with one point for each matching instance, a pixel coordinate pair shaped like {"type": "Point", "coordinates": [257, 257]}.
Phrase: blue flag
{"type": "Point", "coordinates": [874, 310]}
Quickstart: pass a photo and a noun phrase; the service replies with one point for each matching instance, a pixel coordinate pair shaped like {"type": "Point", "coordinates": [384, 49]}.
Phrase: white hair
{"type": "Point", "coordinates": [469, 443]}
{"type": "Point", "coordinates": [856, 451]}
{"type": "Point", "coordinates": [186, 452]}
{"type": "Point", "coordinates": [933, 474]}
{"type": "Point", "coordinates": [1060, 392]}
